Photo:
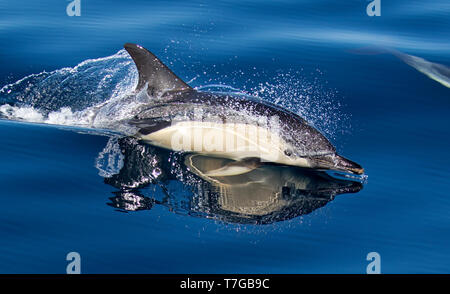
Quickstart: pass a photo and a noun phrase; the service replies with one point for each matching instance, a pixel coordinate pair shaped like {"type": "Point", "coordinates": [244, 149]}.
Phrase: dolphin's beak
{"type": "Point", "coordinates": [337, 162]}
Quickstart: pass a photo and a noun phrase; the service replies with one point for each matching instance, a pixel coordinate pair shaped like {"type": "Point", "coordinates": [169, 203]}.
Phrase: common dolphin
{"type": "Point", "coordinates": [247, 130]}
{"type": "Point", "coordinates": [435, 71]}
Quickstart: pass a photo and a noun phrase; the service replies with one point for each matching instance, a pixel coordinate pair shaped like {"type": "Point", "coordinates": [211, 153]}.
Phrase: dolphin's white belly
{"type": "Point", "coordinates": [227, 140]}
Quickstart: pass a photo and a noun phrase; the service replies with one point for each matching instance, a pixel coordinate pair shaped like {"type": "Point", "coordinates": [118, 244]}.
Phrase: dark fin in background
{"type": "Point", "coordinates": [153, 72]}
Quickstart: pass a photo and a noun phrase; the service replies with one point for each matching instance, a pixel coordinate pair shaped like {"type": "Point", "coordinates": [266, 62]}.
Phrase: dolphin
{"type": "Point", "coordinates": [438, 72]}
{"type": "Point", "coordinates": [435, 71]}
{"type": "Point", "coordinates": [247, 130]}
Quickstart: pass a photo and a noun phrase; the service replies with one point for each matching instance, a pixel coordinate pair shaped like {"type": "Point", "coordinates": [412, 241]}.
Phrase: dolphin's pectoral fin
{"type": "Point", "coordinates": [210, 167]}
{"type": "Point", "coordinates": [154, 73]}
{"type": "Point", "coordinates": [231, 169]}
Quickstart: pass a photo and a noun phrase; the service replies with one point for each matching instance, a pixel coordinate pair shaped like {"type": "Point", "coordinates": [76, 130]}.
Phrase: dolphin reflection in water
{"type": "Point", "coordinates": [149, 175]}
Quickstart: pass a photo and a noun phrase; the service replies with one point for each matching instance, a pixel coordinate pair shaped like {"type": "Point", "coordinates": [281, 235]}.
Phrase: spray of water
{"type": "Point", "coordinates": [71, 96]}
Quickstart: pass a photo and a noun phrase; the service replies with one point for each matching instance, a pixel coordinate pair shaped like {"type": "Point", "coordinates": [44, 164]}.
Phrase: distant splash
{"type": "Point", "coordinates": [98, 93]}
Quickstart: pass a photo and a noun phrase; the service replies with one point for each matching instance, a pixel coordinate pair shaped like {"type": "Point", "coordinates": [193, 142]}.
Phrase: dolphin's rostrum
{"type": "Point", "coordinates": [267, 194]}
{"type": "Point", "coordinates": [247, 130]}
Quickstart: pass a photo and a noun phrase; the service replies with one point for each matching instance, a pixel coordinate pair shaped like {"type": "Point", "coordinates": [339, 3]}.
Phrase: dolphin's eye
{"type": "Point", "coordinates": [288, 152]}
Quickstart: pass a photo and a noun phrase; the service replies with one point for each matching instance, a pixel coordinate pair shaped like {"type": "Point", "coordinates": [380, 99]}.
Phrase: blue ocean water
{"type": "Point", "coordinates": [67, 182]}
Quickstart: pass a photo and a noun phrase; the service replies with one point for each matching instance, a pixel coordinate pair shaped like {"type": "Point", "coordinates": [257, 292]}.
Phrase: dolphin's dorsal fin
{"type": "Point", "coordinates": [159, 78]}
